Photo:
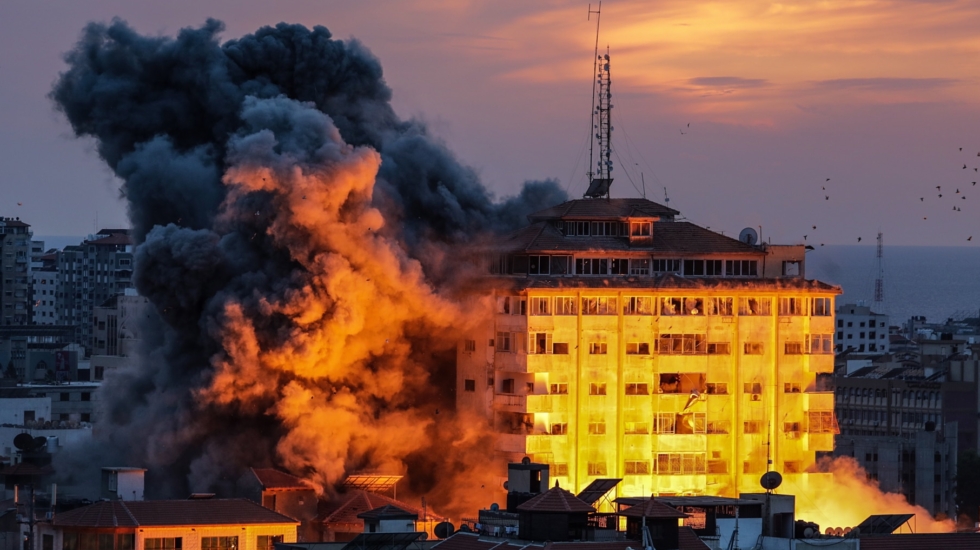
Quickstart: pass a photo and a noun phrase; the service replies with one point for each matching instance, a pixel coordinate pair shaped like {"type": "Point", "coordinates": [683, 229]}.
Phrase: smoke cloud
{"type": "Point", "coordinates": [298, 242]}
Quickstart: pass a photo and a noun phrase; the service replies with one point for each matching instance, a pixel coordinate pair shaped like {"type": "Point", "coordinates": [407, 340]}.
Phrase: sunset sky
{"type": "Point", "coordinates": [878, 96]}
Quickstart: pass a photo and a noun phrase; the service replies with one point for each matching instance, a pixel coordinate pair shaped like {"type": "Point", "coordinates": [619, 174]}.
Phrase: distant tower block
{"type": "Point", "coordinates": [879, 301]}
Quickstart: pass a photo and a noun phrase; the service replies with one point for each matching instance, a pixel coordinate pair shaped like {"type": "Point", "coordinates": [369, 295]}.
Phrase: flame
{"type": "Point", "coordinates": [845, 496]}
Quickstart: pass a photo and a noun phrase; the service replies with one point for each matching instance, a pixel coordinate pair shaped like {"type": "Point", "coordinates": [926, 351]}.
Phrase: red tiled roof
{"type": "Point", "coordinates": [270, 478]}
{"type": "Point", "coordinates": [653, 508]}
{"type": "Point", "coordinates": [471, 541]}
{"type": "Point", "coordinates": [387, 511]}
{"type": "Point", "coordinates": [609, 545]}
{"type": "Point", "coordinates": [556, 500]}
{"type": "Point", "coordinates": [687, 539]}
{"type": "Point", "coordinates": [163, 513]}
{"type": "Point", "coordinates": [594, 209]}
{"type": "Point", "coordinates": [946, 541]}
{"type": "Point", "coordinates": [11, 222]}
{"type": "Point", "coordinates": [667, 282]}
{"type": "Point", "coordinates": [345, 507]}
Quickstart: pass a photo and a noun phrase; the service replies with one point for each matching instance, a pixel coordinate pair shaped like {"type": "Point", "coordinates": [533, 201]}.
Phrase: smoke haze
{"type": "Point", "coordinates": [298, 242]}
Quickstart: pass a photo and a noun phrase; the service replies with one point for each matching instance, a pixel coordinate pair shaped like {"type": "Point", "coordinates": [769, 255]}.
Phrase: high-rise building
{"type": "Point", "coordinates": [627, 344]}
{"type": "Point", "coordinates": [88, 275]}
{"type": "Point", "coordinates": [861, 330]}
{"type": "Point", "coordinates": [15, 256]}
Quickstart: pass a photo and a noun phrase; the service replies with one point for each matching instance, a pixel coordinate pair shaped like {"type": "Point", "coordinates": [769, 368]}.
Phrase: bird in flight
{"type": "Point", "coordinates": [957, 191]}
{"type": "Point", "coordinates": [922, 199]}
{"type": "Point", "coordinates": [814, 227]}
{"type": "Point", "coordinates": [828, 179]}
{"type": "Point", "coordinates": [964, 167]}
{"type": "Point", "coordinates": [804, 237]}
{"type": "Point", "coordinates": [939, 187]}
{"type": "Point", "coordinates": [970, 238]}
{"type": "Point", "coordinates": [859, 239]}
{"type": "Point", "coordinates": [826, 197]}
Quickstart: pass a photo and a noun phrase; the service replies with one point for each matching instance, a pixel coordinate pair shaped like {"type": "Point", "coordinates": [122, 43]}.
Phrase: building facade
{"type": "Point", "coordinates": [627, 344]}
{"type": "Point", "coordinates": [15, 256]}
{"type": "Point", "coordinates": [860, 330]}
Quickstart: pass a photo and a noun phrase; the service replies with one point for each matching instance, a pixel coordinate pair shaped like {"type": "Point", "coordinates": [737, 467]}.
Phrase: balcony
{"type": "Point", "coordinates": [510, 403]}
{"type": "Point", "coordinates": [547, 403]}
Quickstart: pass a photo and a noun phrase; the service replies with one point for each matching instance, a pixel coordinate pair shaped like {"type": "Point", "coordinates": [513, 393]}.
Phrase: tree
{"type": "Point", "coordinates": [968, 486]}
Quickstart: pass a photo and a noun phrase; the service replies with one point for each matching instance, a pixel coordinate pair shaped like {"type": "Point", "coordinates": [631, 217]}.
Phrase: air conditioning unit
{"type": "Point", "coordinates": [756, 397]}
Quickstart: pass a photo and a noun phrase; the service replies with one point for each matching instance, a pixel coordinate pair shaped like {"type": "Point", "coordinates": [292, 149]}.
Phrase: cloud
{"type": "Point", "coordinates": [885, 84]}
{"type": "Point", "coordinates": [728, 82]}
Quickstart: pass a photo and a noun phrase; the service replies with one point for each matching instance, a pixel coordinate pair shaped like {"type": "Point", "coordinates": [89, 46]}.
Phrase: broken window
{"type": "Point", "coordinates": [597, 468]}
{"type": "Point", "coordinates": [469, 385]}
{"type": "Point", "coordinates": [598, 345]}
{"type": "Point", "coordinates": [560, 265]}
{"type": "Point", "coordinates": [565, 305]}
{"type": "Point", "coordinates": [468, 345]}
{"type": "Point", "coordinates": [691, 423]}
{"type": "Point", "coordinates": [681, 463]}
{"type": "Point", "coordinates": [754, 388]}
{"type": "Point", "coordinates": [638, 348]}
{"type": "Point", "coordinates": [507, 385]}
{"type": "Point", "coordinates": [717, 388]}
{"type": "Point", "coordinates": [681, 382]}
{"type": "Point", "coordinates": [637, 389]}
{"type": "Point", "coordinates": [636, 467]}
{"type": "Point", "coordinates": [599, 305]}
{"type": "Point", "coordinates": [636, 427]}
{"type": "Point", "coordinates": [619, 266]}
{"type": "Point", "coordinates": [720, 306]}
{"type": "Point", "coordinates": [718, 427]}
{"type": "Point", "coordinates": [752, 427]}
{"type": "Point", "coordinates": [538, 265]}
{"type": "Point", "coordinates": [755, 306]}
{"type": "Point", "coordinates": [792, 268]}
{"type": "Point", "coordinates": [822, 422]}
{"type": "Point", "coordinates": [540, 306]}
{"type": "Point", "coordinates": [682, 306]}
{"type": "Point", "coordinates": [664, 423]}
{"type": "Point", "coordinates": [592, 266]}
{"type": "Point", "coordinates": [741, 268]}
{"type": "Point", "coordinates": [540, 343]}
{"type": "Point", "coordinates": [559, 469]}
{"type": "Point", "coordinates": [638, 305]}
{"type": "Point", "coordinates": [791, 387]}
{"type": "Point", "coordinates": [559, 428]}
{"type": "Point", "coordinates": [661, 265]}
{"type": "Point", "coordinates": [681, 344]}
{"type": "Point", "coordinates": [753, 348]}
{"type": "Point", "coordinates": [560, 348]}
{"type": "Point", "coordinates": [719, 348]}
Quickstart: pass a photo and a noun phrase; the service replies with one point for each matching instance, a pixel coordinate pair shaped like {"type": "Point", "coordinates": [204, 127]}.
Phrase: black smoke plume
{"type": "Point", "coordinates": [296, 239]}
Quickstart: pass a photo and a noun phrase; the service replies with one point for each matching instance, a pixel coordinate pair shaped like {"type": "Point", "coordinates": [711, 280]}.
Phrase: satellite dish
{"type": "Point", "coordinates": [24, 441]}
{"type": "Point", "coordinates": [444, 530]}
{"type": "Point", "coordinates": [526, 460]}
{"type": "Point", "coordinates": [423, 535]}
{"type": "Point", "coordinates": [39, 442]}
{"type": "Point", "coordinates": [494, 507]}
{"type": "Point", "coordinates": [771, 480]}
{"type": "Point", "coordinates": [506, 486]}
{"type": "Point", "coordinates": [465, 528]}
{"type": "Point", "coordinates": [748, 236]}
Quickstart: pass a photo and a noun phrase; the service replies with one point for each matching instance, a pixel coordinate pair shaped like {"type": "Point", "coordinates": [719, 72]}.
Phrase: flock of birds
{"type": "Point", "coordinates": [954, 197]}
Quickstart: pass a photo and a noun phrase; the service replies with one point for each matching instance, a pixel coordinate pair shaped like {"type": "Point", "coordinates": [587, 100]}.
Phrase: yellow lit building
{"type": "Point", "coordinates": [626, 344]}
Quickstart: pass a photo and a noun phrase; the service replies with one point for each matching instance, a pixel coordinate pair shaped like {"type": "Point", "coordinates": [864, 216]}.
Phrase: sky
{"type": "Point", "coordinates": [844, 115]}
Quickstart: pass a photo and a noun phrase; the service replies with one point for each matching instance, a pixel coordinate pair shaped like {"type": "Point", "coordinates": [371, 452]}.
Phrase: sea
{"type": "Point", "coordinates": [938, 282]}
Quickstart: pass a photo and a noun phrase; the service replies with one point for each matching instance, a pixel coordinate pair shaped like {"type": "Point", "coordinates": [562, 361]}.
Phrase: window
{"type": "Point", "coordinates": [664, 423]}
{"type": "Point", "coordinates": [720, 306]}
{"type": "Point", "coordinates": [64, 397]}
{"type": "Point", "coordinates": [822, 422]}
{"type": "Point", "coordinates": [503, 342]}
{"type": "Point", "coordinates": [86, 396]}
{"type": "Point", "coordinates": [507, 385]}
{"type": "Point", "coordinates": [681, 344]}
{"type": "Point", "coordinates": [267, 542]}
{"type": "Point", "coordinates": [163, 544]}
{"type": "Point", "coordinates": [559, 428]}
{"type": "Point", "coordinates": [791, 428]}
{"type": "Point", "coordinates": [559, 389]}
{"type": "Point", "coordinates": [636, 467]}
{"type": "Point", "coordinates": [791, 387]}
{"type": "Point", "coordinates": [666, 266]}
{"type": "Point", "coordinates": [690, 423]}
{"type": "Point", "coordinates": [753, 348]}
{"type": "Point", "coordinates": [608, 229]}
{"type": "Point", "coordinates": [468, 345]}
{"type": "Point", "coordinates": [682, 306]}
{"type": "Point", "coordinates": [636, 428]}
{"type": "Point", "coordinates": [565, 305]}
{"type": "Point", "coordinates": [47, 542]}
{"type": "Point", "coordinates": [598, 345]}
{"type": "Point", "coordinates": [755, 306]}
{"type": "Point", "coordinates": [597, 468]}
{"type": "Point", "coordinates": [719, 348]}
{"type": "Point", "coordinates": [681, 463]}
{"type": "Point", "coordinates": [86, 417]}
{"type": "Point", "coordinates": [597, 428]}
{"type": "Point", "coordinates": [469, 385]}
{"type": "Point", "coordinates": [820, 307]}
{"type": "Point", "coordinates": [619, 266]}
{"type": "Point", "coordinates": [591, 266]}
{"type": "Point", "coordinates": [582, 229]}
{"type": "Point", "coordinates": [752, 427]}
{"type": "Point", "coordinates": [792, 306]}
{"type": "Point", "coordinates": [754, 388]}
{"type": "Point", "coordinates": [717, 388]}
{"type": "Point", "coordinates": [638, 305]}
{"type": "Point", "coordinates": [540, 343]}
{"type": "Point", "coordinates": [511, 305]}
{"type": "Point", "coordinates": [599, 306]}
{"type": "Point", "coordinates": [718, 427]}
{"type": "Point", "coordinates": [741, 268]}
{"type": "Point", "coordinates": [641, 229]}
{"type": "Point", "coordinates": [792, 268]}
{"type": "Point", "coordinates": [681, 382]}
{"type": "Point", "coordinates": [638, 348]}
{"type": "Point", "coordinates": [639, 266]}
{"type": "Point", "coordinates": [597, 389]}
{"type": "Point", "coordinates": [560, 348]}
{"type": "Point", "coordinates": [637, 389]}
{"type": "Point", "coordinates": [538, 265]}
{"type": "Point", "coordinates": [794, 348]}
{"type": "Point", "coordinates": [219, 543]}
{"type": "Point", "coordinates": [820, 343]}
{"type": "Point", "coordinates": [541, 306]}
{"type": "Point", "coordinates": [559, 469]}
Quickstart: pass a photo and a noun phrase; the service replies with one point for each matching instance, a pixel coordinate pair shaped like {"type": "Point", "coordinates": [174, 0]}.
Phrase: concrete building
{"type": "Point", "coordinates": [116, 324]}
{"type": "Point", "coordinates": [44, 290]}
{"type": "Point", "coordinates": [15, 255]}
{"type": "Point", "coordinates": [88, 275]}
{"type": "Point", "coordinates": [861, 330]}
{"type": "Point", "coordinates": [627, 344]}
{"type": "Point", "coordinates": [38, 353]}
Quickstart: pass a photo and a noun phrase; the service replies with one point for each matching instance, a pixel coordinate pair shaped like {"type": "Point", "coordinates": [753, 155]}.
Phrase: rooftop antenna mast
{"type": "Point", "coordinates": [879, 302]}
{"type": "Point", "coordinates": [601, 179]}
